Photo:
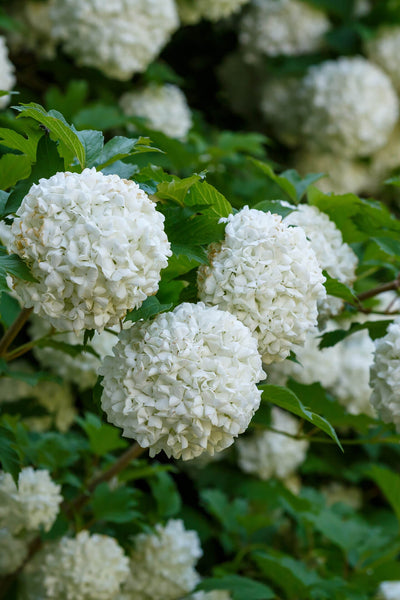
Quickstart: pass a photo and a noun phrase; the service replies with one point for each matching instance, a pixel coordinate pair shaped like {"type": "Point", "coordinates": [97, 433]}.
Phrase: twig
{"type": "Point", "coordinates": [385, 287]}
{"type": "Point", "coordinates": [14, 330]}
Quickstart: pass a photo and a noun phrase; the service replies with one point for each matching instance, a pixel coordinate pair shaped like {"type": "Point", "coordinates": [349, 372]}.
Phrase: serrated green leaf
{"type": "Point", "coordinates": [16, 141]}
{"type": "Point", "coordinates": [274, 206]}
{"type": "Point", "coordinates": [176, 189]}
{"type": "Point", "coordinates": [202, 193]}
{"type": "Point", "coordinates": [13, 167]}
{"type": "Point", "coordinates": [150, 307]}
{"type": "Point", "coordinates": [336, 288]}
{"type": "Point", "coordinates": [114, 506]}
{"type": "Point", "coordinates": [285, 185]}
{"type": "Point", "coordinates": [376, 329]}
{"type": "Point", "coordinates": [92, 142]}
{"type": "Point", "coordinates": [103, 438]}
{"type": "Point", "coordinates": [121, 147]}
{"type": "Point", "coordinates": [13, 265]}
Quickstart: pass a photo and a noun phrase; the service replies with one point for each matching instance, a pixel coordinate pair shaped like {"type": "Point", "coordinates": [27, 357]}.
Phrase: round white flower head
{"type": "Point", "coordinates": [80, 369]}
{"type": "Point", "coordinates": [274, 27]}
{"type": "Point", "coordinates": [333, 255]}
{"type": "Point", "coordinates": [119, 37]}
{"type": "Point", "coordinates": [343, 176]}
{"type": "Point", "coordinates": [269, 454]}
{"type": "Point", "coordinates": [280, 107]}
{"type": "Point", "coordinates": [7, 78]}
{"type": "Point", "coordinates": [185, 382]}
{"type": "Point", "coordinates": [349, 107]}
{"type": "Point", "coordinates": [87, 567]}
{"type": "Point", "coordinates": [383, 49]}
{"type": "Point", "coordinates": [96, 245]}
{"type": "Point", "coordinates": [336, 492]}
{"type": "Point", "coordinates": [163, 106]}
{"type": "Point", "coordinates": [13, 552]}
{"type": "Point", "coordinates": [193, 11]}
{"type": "Point", "coordinates": [35, 35]}
{"type": "Point", "coordinates": [266, 273]}
{"type": "Point", "coordinates": [389, 590]}
{"type": "Point", "coordinates": [385, 376]}
{"type": "Point", "coordinates": [214, 595]}
{"type": "Point", "coordinates": [162, 563]}
{"type": "Point", "coordinates": [34, 503]}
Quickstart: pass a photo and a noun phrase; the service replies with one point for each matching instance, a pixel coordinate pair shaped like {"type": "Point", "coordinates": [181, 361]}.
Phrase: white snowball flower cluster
{"type": "Point", "coordinates": [336, 492]}
{"type": "Point", "coordinates": [349, 107]}
{"type": "Point", "coordinates": [274, 27]}
{"type": "Point", "coordinates": [344, 176]}
{"type": "Point", "coordinates": [385, 376]}
{"type": "Point", "coordinates": [389, 590]}
{"type": "Point", "coordinates": [34, 503]}
{"type": "Point", "coordinates": [13, 552]}
{"type": "Point", "coordinates": [162, 563]}
{"type": "Point", "coordinates": [96, 245]}
{"type": "Point", "coordinates": [280, 107]}
{"type": "Point", "coordinates": [269, 454]}
{"type": "Point", "coordinates": [383, 49]}
{"type": "Point", "coordinates": [7, 78]}
{"type": "Point", "coordinates": [163, 106]}
{"type": "Point", "coordinates": [80, 369]}
{"type": "Point", "coordinates": [266, 273]}
{"type": "Point", "coordinates": [87, 567]}
{"type": "Point", "coordinates": [184, 383]}
{"type": "Point", "coordinates": [333, 255]}
{"type": "Point", "coordinates": [193, 11]}
{"type": "Point", "coordinates": [36, 32]}
{"type": "Point", "coordinates": [119, 37]}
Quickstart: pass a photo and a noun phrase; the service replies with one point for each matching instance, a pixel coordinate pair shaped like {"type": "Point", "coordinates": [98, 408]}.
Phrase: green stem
{"type": "Point", "coordinates": [14, 330]}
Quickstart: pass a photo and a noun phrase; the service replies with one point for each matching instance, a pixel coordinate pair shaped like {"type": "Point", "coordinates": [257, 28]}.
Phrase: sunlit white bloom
{"type": "Point", "coordinates": [274, 27]}
{"type": "Point", "coordinates": [87, 567]}
{"type": "Point", "coordinates": [266, 273]}
{"type": "Point", "coordinates": [383, 49]}
{"type": "Point", "coordinates": [280, 107]}
{"type": "Point", "coordinates": [349, 107]}
{"type": "Point", "coordinates": [385, 376]}
{"type": "Point", "coordinates": [34, 503]}
{"type": "Point", "coordinates": [193, 11]}
{"type": "Point", "coordinates": [336, 492]}
{"type": "Point", "coordinates": [269, 454]}
{"type": "Point", "coordinates": [184, 382]}
{"type": "Point", "coordinates": [7, 77]}
{"type": "Point", "coordinates": [162, 563]}
{"type": "Point", "coordinates": [119, 37]}
{"type": "Point", "coordinates": [333, 255]}
{"type": "Point", "coordinates": [96, 245]}
{"type": "Point", "coordinates": [13, 552]}
{"type": "Point", "coordinates": [164, 107]}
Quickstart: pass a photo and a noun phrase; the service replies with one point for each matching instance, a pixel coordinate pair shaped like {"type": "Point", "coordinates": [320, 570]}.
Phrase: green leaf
{"type": "Point", "coordinates": [389, 245]}
{"type": "Point", "coordinates": [376, 329]}
{"type": "Point", "coordinates": [8, 457]}
{"type": "Point", "coordinates": [150, 307]}
{"type": "Point", "coordinates": [202, 193]}
{"type": "Point", "coordinates": [103, 438]}
{"type": "Point", "coordinates": [285, 398]}
{"type": "Point", "coordinates": [13, 265]}
{"type": "Point", "coordinates": [176, 189]}
{"type": "Point", "coordinates": [120, 147]}
{"type": "Point", "coordinates": [166, 494]}
{"type": "Point", "coordinates": [9, 309]}
{"type": "Point", "coordinates": [192, 253]}
{"type": "Point", "coordinates": [289, 574]}
{"type": "Point", "coordinates": [284, 183]}
{"type": "Point", "coordinates": [13, 167]}
{"type": "Point", "coordinates": [57, 125]}
{"type": "Point", "coordinates": [389, 483]}
{"type": "Point", "coordinates": [241, 588]}
{"type": "Point", "coordinates": [93, 142]}
{"type": "Point", "coordinates": [338, 289]}
{"type": "Point", "coordinates": [113, 506]}
{"type": "Point", "coordinates": [16, 141]}
{"type": "Point", "coordinates": [274, 206]}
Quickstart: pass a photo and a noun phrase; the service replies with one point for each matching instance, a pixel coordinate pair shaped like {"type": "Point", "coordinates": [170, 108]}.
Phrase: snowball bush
{"type": "Point", "coordinates": [162, 563]}
{"type": "Point", "coordinates": [13, 552]}
{"type": "Point", "coordinates": [385, 376]}
{"type": "Point", "coordinates": [87, 567]}
{"type": "Point", "coordinates": [349, 107]}
{"type": "Point", "coordinates": [163, 106]}
{"type": "Point", "coordinates": [333, 255]}
{"type": "Point", "coordinates": [383, 49]}
{"type": "Point", "coordinates": [184, 383]}
{"type": "Point", "coordinates": [193, 11]}
{"type": "Point", "coordinates": [266, 273]}
{"type": "Point", "coordinates": [119, 37]}
{"type": "Point", "coordinates": [269, 454]}
{"type": "Point", "coordinates": [7, 78]}
{"type": "Point", "coordinates": [274, 27]}
{"type": "Point", "coordinates": [96, 245]}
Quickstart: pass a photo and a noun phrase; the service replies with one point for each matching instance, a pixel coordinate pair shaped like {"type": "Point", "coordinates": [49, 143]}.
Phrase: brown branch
{"type": "Point", "coordinates": [14, 330]}
{"type": "Point", "coordinates": [70, 507]}
{"type": "Point", "coordinates": [385, 287]}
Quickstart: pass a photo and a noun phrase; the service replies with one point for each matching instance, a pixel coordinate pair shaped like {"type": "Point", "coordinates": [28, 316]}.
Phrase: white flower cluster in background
{"type": "Point", "coordinates": [333, 255]}
{"type": "Point", "coordinates": [344, 176]}
{"type": "Point", "coordinates": [80, 369]}
{"type": "Point", "coordinates": [280, 107]}
{"type": "Point", "coordinates": [119, 37]}
{"type": "Point", "coordinates": [163, 106]}
{"type": "Point", "coordinates": [389, 590]}
{"type": "Point", "coordinates": [349, 107]}
{"type": "Point", "coordinates": [7, 77]}
{"type": "Point", "coordinates": [87, 567]}
{"type": "Point", "coordinates": [385, 376]}
{"type": "Point", "coordinates": [96, 245]}
{"type": "Point", "coordinates": [185, 382]}
{"type": "Point", "coordinates": [269, 454]}
{"type": "Point", "coordinates": [162, 563]}
{"type": "Point", "coordinates": [266, 273]}
{"type": "Point", "coordinates": [193, 11]}
{"type": "Point", "coordinates": [275, 27]}
{"type": "Point", "coordinates": [36, 32]}
{"type": "Point", "coordinates": [335, 492]}
{"type": "Point", "coordinates": [13, 551]}
{"type": "Point", "coordinates": [383, 49]}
